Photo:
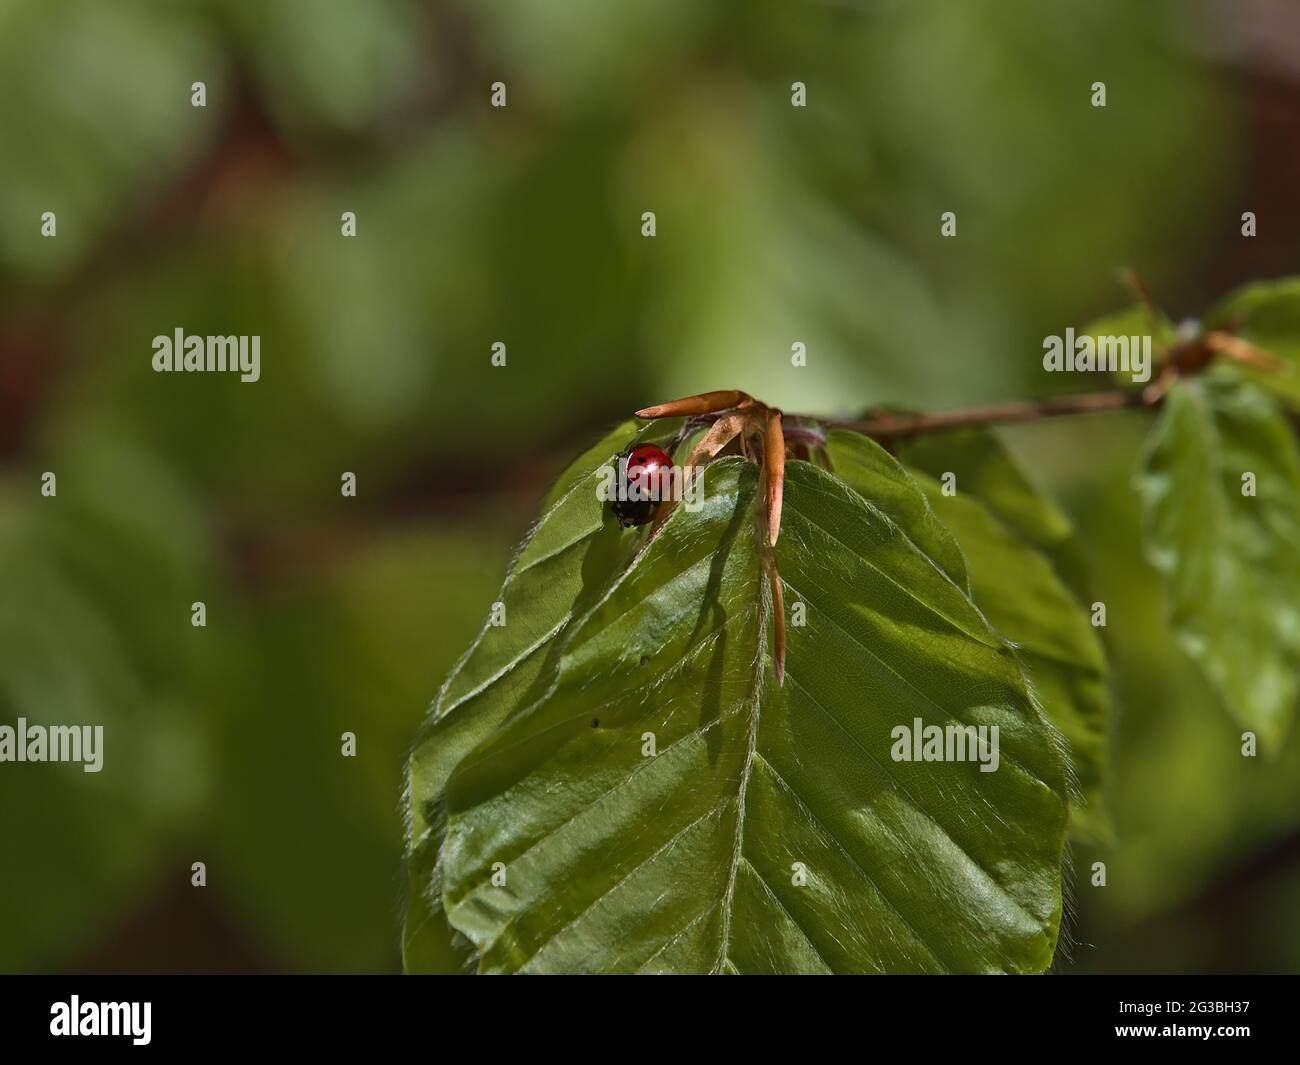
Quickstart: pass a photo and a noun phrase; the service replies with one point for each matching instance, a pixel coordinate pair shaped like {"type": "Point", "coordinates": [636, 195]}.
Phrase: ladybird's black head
{"type": "Point", "coordinates": [631, 512]}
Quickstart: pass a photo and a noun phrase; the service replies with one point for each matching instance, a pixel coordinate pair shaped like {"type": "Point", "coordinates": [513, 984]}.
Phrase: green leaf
{"type": "Point", "coordinates": [864, 465]}
{"type": "Point", "coordinates": [93, 579]}
{"type": "Point", "coordinates": [1028, 603]}
{"type": "Point", "coordinates": [1027, 573]}
{"type": "Point", "coordinates": [124, 153]}
{"type": "Point", "coordinates": [985, 469]}
{"type": "Point", "coordinates": [568, 559]}
{"type": "Point", "coordinates": [771, 830]}
{"type": "Point", "coordinates": [1266, 314]}
{"type": "Point", "coordinates": [1229, 559]}
{"type": "Point", "coordinates": [1136, 322]}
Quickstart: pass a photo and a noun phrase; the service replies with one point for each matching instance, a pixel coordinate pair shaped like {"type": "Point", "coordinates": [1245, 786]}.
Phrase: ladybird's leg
{"type": "Point", "coordinates": [704, 403]}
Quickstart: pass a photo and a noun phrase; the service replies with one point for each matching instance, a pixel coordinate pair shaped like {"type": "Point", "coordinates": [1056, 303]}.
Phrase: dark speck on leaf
{"type": "Point", "coordinates": [595, 722]}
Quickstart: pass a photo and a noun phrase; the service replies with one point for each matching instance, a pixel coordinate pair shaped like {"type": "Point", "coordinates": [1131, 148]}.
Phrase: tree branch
{"type": "Point", "coordinates": [892, 426]}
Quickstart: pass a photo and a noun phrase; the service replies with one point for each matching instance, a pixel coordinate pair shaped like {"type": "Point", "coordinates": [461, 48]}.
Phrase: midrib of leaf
{"type": "Point", "coordinates": [755, 702]}
{"type": "Point", "coordinates": [754, 697]}
{"type": "Point", "coordinates": [709, 814]}
{"type": "Point", "coordinates": [525, 936]}
{"type": "Point", "coordinates": [752, 701]}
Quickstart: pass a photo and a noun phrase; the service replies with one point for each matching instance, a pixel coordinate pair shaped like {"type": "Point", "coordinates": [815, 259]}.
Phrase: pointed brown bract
{"type": "Point", "coordinates": [704, 403]}
{"type": "Point", "coordinates": [720, 434]}
{"type": "Point", "coordinates": [1243, 351]}
{"type": "Point", "coordinates": [774, 462]}
{"type": "Point", "coordinates": [758, 427]}
{"type": "Point", "coordinates": [1155, 391]}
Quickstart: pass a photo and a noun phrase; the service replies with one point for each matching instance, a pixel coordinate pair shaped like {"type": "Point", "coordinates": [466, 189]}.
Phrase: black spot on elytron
{"type": "Point", "coordinates": [595, 722]}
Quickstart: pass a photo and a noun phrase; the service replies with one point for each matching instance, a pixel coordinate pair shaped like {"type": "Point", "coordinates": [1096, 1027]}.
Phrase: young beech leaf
{"type": "Point", "coordinates": [772, 828]}
{"type": "Point", "coordinates": [1230, 559]}
{"type": "Point", "coordinates": [1027, 602]}
{"type": "Point", "coordinates": [1267, 315]}
{"type": "Point", "coordinates": [1135, 321]}
{"type": "Point", "coordinates": [568, 560]}
{"type": "Point", "coordinates": [876, 475]}
{"type": "Point", "coordinates": [1028, 576]}
{"type": "Point", "coordinates": [983, 468]}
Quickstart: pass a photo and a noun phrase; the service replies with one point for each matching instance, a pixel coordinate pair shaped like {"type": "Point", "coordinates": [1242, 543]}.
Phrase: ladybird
{"type": "Point", "coordinates": [641, 473]}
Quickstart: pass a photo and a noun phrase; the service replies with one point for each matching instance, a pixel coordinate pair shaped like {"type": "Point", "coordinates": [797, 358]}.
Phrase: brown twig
{"type": "Point", "coordinates": [888, 426]}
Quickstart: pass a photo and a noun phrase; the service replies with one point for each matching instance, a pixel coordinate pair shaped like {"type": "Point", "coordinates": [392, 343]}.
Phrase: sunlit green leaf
{"type": "Point", "coordinates": [567, 561]}
{"type": "Point", "coordinates": [1027, 602]}
{"type": "Point", "coordinates": [982, 467]}
{"type": "Point", "coordinates": [1027, 573]}
{"type": "Point", "coordinates": [864, 465]}
{"type": "Point", "coordinates": [771, 829]}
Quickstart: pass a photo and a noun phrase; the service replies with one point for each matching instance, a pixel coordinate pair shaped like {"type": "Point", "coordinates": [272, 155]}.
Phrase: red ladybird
{"type": "Point", "coordinates": [643, 483]}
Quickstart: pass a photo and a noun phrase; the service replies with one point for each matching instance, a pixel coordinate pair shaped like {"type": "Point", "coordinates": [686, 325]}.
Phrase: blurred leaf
{"type": "Point", "coordinates": [349, 649]}
{"type": "Point", "coordinates": [551, 52]}
{"type": "Point", "coordinates": [750, 259]}
{"type": "Point", "coordinates": [1136, 321]}
{"type": "Point", "coordinates": [1133, 321]}
{"type": "Point", "coordinates": [95, 115]}
{"type": "Point", "coordinates": [682, 862]}
{"type": "Point", "coordinates": [1187, 807]}
{"type": "Point", "coordinates": [341, 65]}
{"type": "Point", "coordinates": [1229, 559]}
{"type": "Point", "coordinates": [1267, 315]}
{"type": "Point", "coordinates": [95, 631]}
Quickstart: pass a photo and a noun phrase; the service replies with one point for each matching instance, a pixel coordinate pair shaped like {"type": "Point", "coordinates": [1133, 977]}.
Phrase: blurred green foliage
{"type": "Point", "coordinates": [522, 225]}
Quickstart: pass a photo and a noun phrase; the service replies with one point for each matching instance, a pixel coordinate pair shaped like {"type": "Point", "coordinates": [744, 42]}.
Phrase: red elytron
{"type": "Point", "coordinates": [645, 465]}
